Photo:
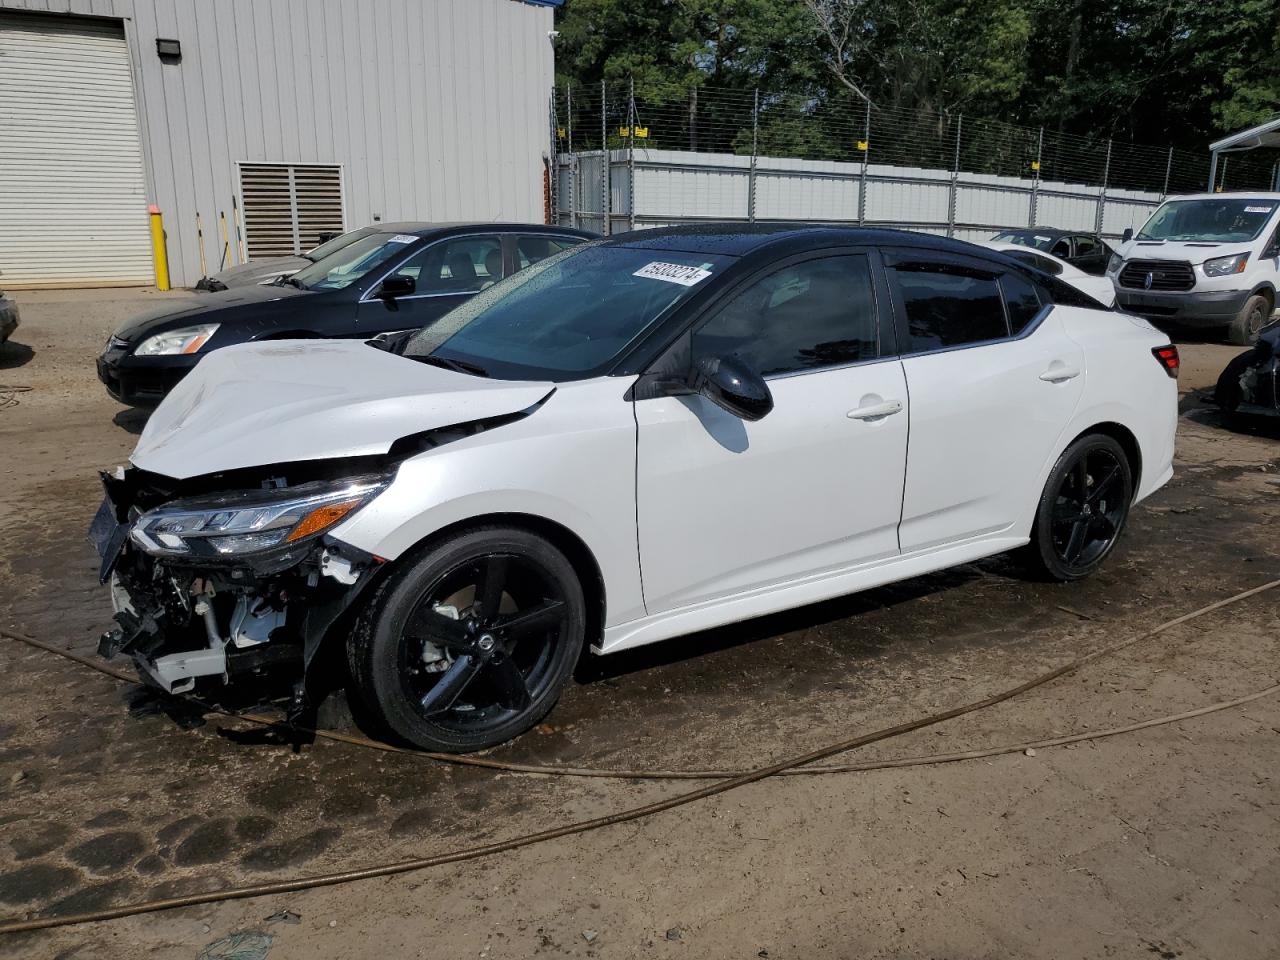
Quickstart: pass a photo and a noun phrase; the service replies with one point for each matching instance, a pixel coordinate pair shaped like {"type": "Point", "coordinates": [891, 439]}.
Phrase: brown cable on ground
{"type": "Point", "coordinates": [635, 813]}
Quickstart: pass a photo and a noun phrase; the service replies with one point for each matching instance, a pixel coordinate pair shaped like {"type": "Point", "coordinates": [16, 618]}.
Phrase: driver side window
{"type": "Point", "coordinates": [461, 265]}
{"type": "Point", "coordinates": [810, 315]}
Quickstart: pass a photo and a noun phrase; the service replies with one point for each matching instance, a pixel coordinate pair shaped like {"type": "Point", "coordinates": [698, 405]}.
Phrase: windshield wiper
{"type": "Point", "coordinates": [295, 282]}
{"type": "Point", "coordinates": [458, 366]}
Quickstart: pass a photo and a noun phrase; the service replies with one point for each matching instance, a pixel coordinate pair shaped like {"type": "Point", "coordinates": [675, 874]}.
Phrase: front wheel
{"type": "Point", "coordinates": [1253, 316]}
{"type": "Point", "coordinates": [471, 643]}
{"type": "Point", "coordinates": [1082, 510]}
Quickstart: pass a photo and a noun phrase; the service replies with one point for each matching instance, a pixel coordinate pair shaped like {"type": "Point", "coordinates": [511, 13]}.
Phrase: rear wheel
{"type": "Point", "coordinates": [1253, 316]}
{"type": "Point", "coordinates": [470, 644]}
{"type": "Point", "coordinates": [1082, 510]}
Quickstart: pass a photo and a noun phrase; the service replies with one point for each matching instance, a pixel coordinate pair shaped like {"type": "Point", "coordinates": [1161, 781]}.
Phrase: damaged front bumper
{"type": "Point", "coordinates": [198, 614]}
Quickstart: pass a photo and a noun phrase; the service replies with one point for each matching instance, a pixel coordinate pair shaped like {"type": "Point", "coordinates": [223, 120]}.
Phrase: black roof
{"type": "Point", "coordinates": [740, 239]}
{"type": "Point", "coordinates": [1052, 232]}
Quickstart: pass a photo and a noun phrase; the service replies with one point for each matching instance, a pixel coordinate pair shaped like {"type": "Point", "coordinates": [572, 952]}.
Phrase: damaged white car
{"type": "Point", "coordinates": [631, 441]}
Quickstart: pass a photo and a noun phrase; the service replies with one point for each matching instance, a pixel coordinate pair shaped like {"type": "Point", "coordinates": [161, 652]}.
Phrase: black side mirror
{"type": "Point", "coordinates": [393, 287]}
{"type": "Point", "coordinates": [733, 386]}
{"type": "Point", "coordinates": [1127, 235]}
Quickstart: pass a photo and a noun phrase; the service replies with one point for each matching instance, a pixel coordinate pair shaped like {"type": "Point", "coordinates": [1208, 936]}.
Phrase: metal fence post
{"type": "Point", "coordinates": [955, 181]}
{"type": "Point", "coordinates": [1102, 194]}
{"type": "Point", "coordinates": [755, 143]}
{"type": "Point", "coordinates": [866, 158]}
{"type": "Point", "coordinates": [631, 153]}
{"type": "Point", "coordinates": [1034, 212]}
{"type": "Point", "coordinates": [605, 207]}
{"type": "Point", "coordinates": [553, 164]}
{"type": "Point", "coordinates": [1168, 169]}
{"type": "Point", "coordinates": [574, 170]}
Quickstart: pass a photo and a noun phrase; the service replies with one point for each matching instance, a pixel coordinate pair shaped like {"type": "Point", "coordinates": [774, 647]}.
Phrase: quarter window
{"type": "Point", "coordinates": [1021, 299]}
{"type": "Point", "coordinates": [461, 265]}
{"type": "Point", "coordinates": [949, 306]}
{"type": "Point", "coordinates": [814, 314]}
{"type": "Point", "coordinates": [530, 249]}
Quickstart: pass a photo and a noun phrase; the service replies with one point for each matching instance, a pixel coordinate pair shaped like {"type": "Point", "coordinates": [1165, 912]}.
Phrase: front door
{"type": "Point", "coordinates": [445, 274]}
{"type": "Point", "coordinates": [725, 506]}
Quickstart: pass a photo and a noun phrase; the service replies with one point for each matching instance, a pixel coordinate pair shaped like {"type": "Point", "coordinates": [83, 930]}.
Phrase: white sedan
{"type": "Point", "coordinates": [635, 440]}
{"type": "Point", "coordinates": [1100, 288]}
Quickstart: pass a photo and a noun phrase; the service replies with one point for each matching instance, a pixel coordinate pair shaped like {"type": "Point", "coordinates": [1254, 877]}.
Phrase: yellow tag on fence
{"type": "Point", "coordinates": [862, 145]}
{"type": "Point", "coordinates": [640, 132]}
{"type": "Point", "coordinates": [1035, 164]}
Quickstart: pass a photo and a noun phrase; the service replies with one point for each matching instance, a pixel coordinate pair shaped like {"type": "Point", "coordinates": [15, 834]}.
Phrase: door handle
{"type": "Point", "coordinates": [876, 411]}
{"type": "Point", "coordinates": [1060, 372]}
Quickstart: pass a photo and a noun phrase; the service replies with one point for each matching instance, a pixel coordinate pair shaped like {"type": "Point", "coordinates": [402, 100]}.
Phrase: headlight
{"type": "Point", "coordinates": [182, 340]}
{"type": "Point", "coordinates": [1115, 263]}
{"type": "Point", "coordinates": [250, 522]}
{"type": "Point", "coordinates": [1225, 266]}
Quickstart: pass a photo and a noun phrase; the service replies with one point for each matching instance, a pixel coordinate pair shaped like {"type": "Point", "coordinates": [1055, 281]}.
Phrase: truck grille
{"type": "Point", "coordinates": [1165, 275]}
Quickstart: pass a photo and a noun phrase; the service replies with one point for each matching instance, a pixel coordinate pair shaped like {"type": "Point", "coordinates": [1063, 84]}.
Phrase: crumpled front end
{"type": "Point", "coordinates": [229, 585]}
{"type": "Point", "coordinates": [1251, 382]}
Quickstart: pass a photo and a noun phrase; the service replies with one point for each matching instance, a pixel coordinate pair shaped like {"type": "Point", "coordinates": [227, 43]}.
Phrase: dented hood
{"type": "Point", "coordinates": [291, 400]}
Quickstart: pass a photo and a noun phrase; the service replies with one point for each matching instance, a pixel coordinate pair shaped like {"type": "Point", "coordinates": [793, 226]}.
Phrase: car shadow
{"type": "Point", "coordinates": [1198, 407]}
{"type": "Point", "coordinates": [132, 419]}
{"type": "Point", "coordinates": [14, 355]}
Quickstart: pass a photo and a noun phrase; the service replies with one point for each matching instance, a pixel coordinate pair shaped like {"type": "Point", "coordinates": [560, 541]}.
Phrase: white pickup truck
{"type": "Point", "coordinates": [1204, 260]}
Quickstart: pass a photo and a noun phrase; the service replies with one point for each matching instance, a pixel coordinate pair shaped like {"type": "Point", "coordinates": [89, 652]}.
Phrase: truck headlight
{"type": "Point", "coordinates": [249, 522]}
{"type": "Point", "coordinates": [1225, 266]}
{"type": "Point", "coordinates": [181, 340]}
{"type": "Point", "coordinates": [1115, 263]}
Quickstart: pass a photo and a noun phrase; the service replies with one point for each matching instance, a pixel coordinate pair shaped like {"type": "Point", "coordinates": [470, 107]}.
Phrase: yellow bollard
{"type": "Point", "coordinates": [158, 249]}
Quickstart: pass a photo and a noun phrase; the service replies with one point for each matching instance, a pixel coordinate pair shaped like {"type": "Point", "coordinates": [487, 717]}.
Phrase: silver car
{"type": "Point", "coordinates": [264, 271]}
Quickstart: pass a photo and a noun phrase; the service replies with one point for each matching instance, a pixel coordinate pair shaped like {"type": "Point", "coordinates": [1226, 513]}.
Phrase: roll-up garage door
{"type": "Point", "coordinates": [73, 208]}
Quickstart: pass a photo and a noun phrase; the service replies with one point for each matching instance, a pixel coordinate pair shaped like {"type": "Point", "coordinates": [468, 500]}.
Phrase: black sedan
{"type": "Point", "coordinates": [1084, 251]}
{"type": "Point", "coordinates": [403, 276]}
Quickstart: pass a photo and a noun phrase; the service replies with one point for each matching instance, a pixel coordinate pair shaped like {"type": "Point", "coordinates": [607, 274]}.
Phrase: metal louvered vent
{"type": "Point", "coordinates": [288, 207]}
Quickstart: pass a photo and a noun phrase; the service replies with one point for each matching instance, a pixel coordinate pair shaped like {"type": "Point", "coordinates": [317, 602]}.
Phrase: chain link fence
{"type": "Point", "coordinates": [628, 158]}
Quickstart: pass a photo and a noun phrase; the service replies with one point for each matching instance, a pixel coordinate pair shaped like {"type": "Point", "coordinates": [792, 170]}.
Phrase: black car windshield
{"type": "Point", "coordinates": [566, 318]}
{"type": "Point", "coordinates": [334, 244]}
{"type": "Point", "coordinates": [1214, 220]}
{"type": "Point", "coordinates": [350, 263]}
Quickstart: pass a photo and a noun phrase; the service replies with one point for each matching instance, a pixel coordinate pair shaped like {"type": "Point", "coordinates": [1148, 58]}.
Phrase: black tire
{"type": "Point", "coordinates": [1253, 316]}
{"type": "Point", "coordinates": [1082, 510]}
{"type": "Point", "coordinates": [408, 641]}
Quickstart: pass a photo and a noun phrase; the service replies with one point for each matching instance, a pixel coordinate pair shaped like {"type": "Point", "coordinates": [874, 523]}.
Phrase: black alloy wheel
{"type": "Point", "coordinates": [1083, 509]}
{"type": "Point", "coordinates": [471, 643]}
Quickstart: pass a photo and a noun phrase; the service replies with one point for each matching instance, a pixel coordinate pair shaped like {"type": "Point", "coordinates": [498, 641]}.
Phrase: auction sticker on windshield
{"type": "Point", "coordinates": [403, 238]}
{"type": "Point", "coordinates": [679, 273]}
{"type": "Point", "coordinates": [1257, 209]}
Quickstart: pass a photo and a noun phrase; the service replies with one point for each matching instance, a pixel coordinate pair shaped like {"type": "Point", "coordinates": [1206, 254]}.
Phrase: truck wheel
{"type": "Point", "coordinates": [1253, 316]}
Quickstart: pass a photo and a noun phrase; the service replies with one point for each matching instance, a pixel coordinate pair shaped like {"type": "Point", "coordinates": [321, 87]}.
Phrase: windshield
{"type": "Point", "coordinates": [350, 263]}
{"type": "Point", "coordinates": [337, 243]}
{"type": "Point", "coordinates": [1225, 220]}
{"type": "Point", "coordinates": [569, 317]}
{"type": "Point", "coordinates": [1037, 240]}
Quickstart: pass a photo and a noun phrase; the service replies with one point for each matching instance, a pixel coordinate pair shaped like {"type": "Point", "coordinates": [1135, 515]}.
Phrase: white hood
{"type": "Point", "coordinates": [1193, 251]}
{"type": "Point", "coordinates": [290, 400]}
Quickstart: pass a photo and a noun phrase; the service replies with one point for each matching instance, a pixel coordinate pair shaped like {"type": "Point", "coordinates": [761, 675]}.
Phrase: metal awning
{"type": "Point", "coordinates": [1263, 136]}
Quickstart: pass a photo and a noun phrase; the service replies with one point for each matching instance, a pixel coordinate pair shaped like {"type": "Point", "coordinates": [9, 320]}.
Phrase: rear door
{"type": "Point", "coordinates": [724, 505]}
{"type": "Point", "coordinates": [1090, 255]}
{"type": "Point", "coordinates": [993, 379]}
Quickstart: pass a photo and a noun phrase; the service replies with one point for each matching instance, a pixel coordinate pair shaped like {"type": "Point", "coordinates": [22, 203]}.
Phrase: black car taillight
{"type": "Point", "coordinates": [1168, 358]}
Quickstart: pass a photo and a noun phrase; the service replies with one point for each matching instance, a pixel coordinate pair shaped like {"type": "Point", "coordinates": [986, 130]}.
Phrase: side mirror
{"type": "Point", "coordinates": [1127, 235]}
{"type": "Point", "coordinates": [733, 386]}
{"type": "Point", "coordinates": [393, 287]}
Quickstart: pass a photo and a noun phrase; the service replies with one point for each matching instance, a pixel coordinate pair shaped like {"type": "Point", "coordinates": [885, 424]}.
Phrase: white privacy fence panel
{"type": "Point", "coordinates": [650, 188]}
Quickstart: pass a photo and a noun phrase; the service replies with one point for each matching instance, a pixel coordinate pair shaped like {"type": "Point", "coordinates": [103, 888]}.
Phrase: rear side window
{"type": "Point", "coordinates": [1031, 259]}
{"type": "Point", "coordinates": [1022, 301]}
{"type": "Point", "coordinates": [532, 248]}
{"type": "Point", "coordinates": [949, 306]}
{"type": "Point", "coordinates": [813, 314]}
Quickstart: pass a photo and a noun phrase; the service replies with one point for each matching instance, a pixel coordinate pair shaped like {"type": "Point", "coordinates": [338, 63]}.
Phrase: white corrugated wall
{"type": "Point", "coordinates": [434, 109]}
{"type": "Point", "coordinates": [73, 208]}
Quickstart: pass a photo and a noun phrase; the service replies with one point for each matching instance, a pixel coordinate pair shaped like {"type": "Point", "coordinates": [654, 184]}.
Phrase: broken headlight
{"type": "Point", "coordinates": [250, 522]}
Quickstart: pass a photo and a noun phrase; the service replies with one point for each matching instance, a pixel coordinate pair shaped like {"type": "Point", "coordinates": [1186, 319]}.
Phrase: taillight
{"type": "Point", "coordinates": [1168, 358]}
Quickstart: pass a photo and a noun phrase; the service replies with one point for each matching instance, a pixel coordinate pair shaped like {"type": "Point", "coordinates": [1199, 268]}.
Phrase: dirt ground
{"type": "Point", "coordinates": [1163, 843]}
